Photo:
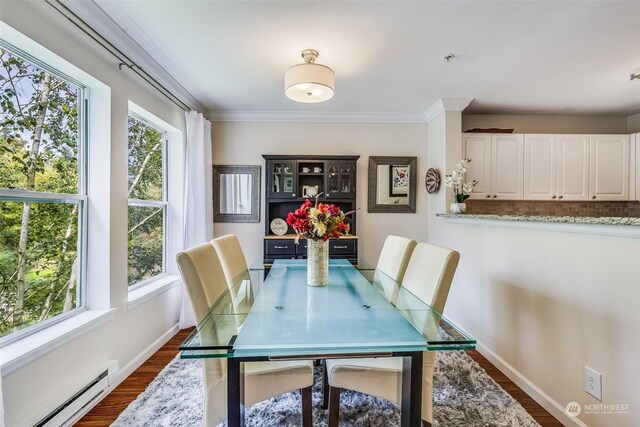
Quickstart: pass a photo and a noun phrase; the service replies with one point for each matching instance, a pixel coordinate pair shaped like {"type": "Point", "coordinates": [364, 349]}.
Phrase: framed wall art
{"type": "Point", "coordinates": [392, 184]}
{"type": "Point", "coordinates": [399, 182]}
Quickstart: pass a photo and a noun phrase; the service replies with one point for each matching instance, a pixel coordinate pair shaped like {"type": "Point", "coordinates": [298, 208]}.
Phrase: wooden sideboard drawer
{"type": "Point", "coordinates": [342, 247]}
{"type": "Point", "coordinates": [281, 247]}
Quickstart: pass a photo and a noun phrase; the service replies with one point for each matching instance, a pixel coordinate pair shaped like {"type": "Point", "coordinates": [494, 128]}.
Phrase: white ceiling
{"type": "Point", "coordinates": [511, 57]}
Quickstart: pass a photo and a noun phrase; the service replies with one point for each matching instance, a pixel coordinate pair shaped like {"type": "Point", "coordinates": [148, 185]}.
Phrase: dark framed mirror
{"type": "Point", "coordinates": [392, 184]}
{"type": "Point", "coordinates": [236, 193]}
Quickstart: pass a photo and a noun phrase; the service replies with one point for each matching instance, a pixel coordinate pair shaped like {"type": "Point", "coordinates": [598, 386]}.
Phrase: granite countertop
{"type": "Point", "coordinates": [607, 220]}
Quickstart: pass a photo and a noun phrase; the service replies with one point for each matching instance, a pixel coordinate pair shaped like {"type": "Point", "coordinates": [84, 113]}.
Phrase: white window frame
{"type": "Point", "coordinates": [79, 198]}
{"type": "Point", "coordinates": [164, 203]}
{"type": "Point", "coordinates": [173, 171]}
{"type": "Point", "coordinates": [96, 299]}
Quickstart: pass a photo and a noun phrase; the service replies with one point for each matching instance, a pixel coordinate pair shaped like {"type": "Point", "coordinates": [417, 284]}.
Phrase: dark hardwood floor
{"type": "Point", "coordinates": [110, 407]}
{"type": "Point", "coordinates": [108, 410]}
{"type": "Point", "coordinates": [544, 418]}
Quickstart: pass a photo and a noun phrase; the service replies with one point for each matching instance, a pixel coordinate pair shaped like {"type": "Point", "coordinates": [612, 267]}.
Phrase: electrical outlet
{"type": "Point", "coordinates": [593, 383]}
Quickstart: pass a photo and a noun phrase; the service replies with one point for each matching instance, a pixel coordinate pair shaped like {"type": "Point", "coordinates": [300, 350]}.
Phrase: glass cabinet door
{"type": "Point", "coordinates": [282, 178]}
{"type": "Point", "coordinates": [333, 178]}
{"type": "Point", "coordinates": [340, 180]}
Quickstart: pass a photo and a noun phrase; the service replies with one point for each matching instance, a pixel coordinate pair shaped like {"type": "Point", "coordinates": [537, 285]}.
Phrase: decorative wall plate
{"type": "Point", "coordinates": [432, 181]}
{"type": "Point", "coordinates": [279, 227]}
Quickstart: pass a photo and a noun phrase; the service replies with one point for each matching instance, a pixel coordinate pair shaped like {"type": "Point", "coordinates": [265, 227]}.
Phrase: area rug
{"type": "Point", "coordinates": [464, 396]}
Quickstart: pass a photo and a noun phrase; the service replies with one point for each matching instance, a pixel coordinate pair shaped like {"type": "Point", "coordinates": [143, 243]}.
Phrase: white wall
{"type": "Point", "coordinates": [633, 123]}
{"type": "Point", "coordinates": [547, 123]}
{"type": "Point", "coordinates": [38, 387]}
{"type": "Point", "coordinates": [546, 302]}
{"type": "Point", "coordinates": [245, 142]}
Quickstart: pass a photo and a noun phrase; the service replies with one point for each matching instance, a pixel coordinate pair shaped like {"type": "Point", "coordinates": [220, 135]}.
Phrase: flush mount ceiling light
{"type": "Point", "coordinates": [309, 82]}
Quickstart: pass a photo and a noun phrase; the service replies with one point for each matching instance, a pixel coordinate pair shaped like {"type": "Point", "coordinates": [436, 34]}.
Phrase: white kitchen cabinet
{"type": "Point", "coordinates": [557, 167]}
{"type": "Point", "coordinates": [497, 164]}
{"type": "Point", "coordinates": [609, 167]}
{"type": "Point", "coordinates": [540, 167]}
{"type": "Point", "coordinates": [634, 172]}
{"type": "Point", "coordinates": [636, 168]}
{"type": "Point", "coordinates": [572, 169]}
{"type": "Point", "coordinates": [554, 167]}
{"type": "Point", "coordinates": [477, 147]}
{"type": "Point", "coordinates": [507, 161]}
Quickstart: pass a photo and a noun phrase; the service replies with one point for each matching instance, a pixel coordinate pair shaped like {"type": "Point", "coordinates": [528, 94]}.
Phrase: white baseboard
{"type": "Point", "coordinates": [137, 361]}
{"type": "Point", "coordinates": [128, 369]}
{"type": "Point", "coordinates": [543, 399]}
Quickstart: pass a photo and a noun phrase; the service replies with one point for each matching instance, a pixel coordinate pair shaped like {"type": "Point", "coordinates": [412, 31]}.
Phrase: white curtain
{"type": "Point", "coordinates": [198, 202]}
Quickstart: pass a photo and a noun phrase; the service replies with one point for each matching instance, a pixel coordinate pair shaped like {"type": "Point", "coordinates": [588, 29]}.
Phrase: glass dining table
{"type": "Point", "coordinates": [271, 314]}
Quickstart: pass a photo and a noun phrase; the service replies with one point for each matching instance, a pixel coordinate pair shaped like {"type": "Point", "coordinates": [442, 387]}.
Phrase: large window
{"type": "Point", "coordinates": [42, 194]}
{"type": "Point", "coordinates": [147, 200]}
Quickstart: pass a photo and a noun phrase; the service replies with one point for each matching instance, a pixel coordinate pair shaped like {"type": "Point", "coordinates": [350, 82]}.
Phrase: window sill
{"type": "Point", "coordinates": [20, 353]}
{"type": "Point", "coordinates": [151, 290]}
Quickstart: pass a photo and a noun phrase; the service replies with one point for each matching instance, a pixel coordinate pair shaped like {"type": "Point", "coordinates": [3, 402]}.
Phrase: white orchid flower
{"type": "Point", "coordinates": [467, 187]}
{"type": "Point", "coordinates": [456, 181]}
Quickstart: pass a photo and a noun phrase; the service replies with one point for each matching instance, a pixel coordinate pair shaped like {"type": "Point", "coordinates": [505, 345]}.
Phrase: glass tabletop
{"type": "Point", "coordinates": [271, 312]}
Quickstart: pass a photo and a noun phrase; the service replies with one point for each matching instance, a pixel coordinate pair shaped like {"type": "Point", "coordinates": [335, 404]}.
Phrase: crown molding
{"type": "Point", "coordinates": [313, 117]}
{"type": "Point", "coordinates": [446, 104]}
{"type": "Point", "coordinates": [106, 25]}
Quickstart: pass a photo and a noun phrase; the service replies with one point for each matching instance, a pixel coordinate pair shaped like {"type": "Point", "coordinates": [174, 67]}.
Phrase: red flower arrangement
{"type": "Point", "coordinates": [320, 222]}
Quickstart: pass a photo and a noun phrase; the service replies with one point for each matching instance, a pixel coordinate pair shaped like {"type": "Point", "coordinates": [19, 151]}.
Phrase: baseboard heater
{"type": "Point", "coordinates": [63, 413]}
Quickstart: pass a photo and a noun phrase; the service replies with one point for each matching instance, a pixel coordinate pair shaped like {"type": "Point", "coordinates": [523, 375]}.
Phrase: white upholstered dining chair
{"type": "Point", "coordinates": [428, 276]}
{"type": "Point", "coordinates": [391, 267]}
{"type": "Point", "coordinates": [231, 256]}
{"type": "Point", "coordinates": [234, 266]}
{"type": "Point", "coordinates": [395, 256]}
{"type": "Point", "coordinates": [205, 281]}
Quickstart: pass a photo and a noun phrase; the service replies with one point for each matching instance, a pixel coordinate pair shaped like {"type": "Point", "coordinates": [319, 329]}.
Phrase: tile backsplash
{"type": "Point", "coordinates": [553, 208]}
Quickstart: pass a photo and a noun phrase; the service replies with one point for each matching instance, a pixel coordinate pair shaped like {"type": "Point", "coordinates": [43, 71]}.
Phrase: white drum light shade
{"type": "Point", "coordinates": [309, 82]}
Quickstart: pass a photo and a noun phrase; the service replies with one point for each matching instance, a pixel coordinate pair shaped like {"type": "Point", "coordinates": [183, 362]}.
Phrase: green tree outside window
{"type": "Point", "coordinates": [39, 147]}
{"type": "Point", "coordinates": [147, 201]}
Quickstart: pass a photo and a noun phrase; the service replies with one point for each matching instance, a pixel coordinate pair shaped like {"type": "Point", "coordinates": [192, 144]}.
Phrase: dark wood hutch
{"type": "Point", "coordinates": [288, 179]}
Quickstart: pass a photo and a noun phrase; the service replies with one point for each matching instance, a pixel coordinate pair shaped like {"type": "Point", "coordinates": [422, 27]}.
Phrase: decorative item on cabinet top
{"type": "Point", "coordinates": [489, 130]}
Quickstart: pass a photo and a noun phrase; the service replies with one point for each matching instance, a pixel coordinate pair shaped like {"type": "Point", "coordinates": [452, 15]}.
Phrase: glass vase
{"type": "Point", "coordinates": [317, 262]}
